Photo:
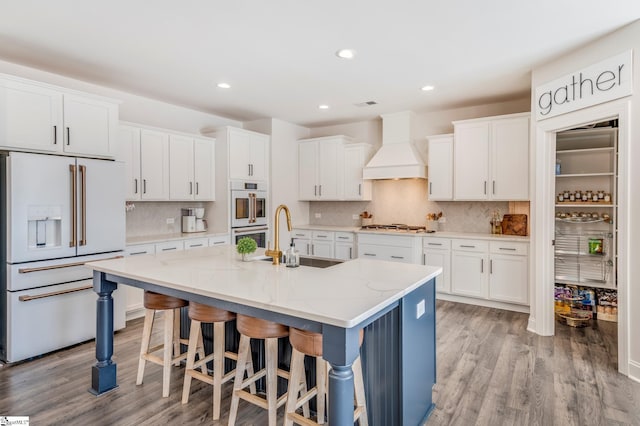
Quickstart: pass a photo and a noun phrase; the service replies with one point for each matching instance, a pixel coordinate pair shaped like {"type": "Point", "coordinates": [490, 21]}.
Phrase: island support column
{"type": "Point", "coordinates": [340, 347]}
{"type": "Point", "coordinates": [103, 373]}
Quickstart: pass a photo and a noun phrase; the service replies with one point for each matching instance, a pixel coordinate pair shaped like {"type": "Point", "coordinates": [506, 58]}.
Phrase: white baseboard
{"type": "Point", "coordinates": [634, 371]}
{"type": "Point", "coordinates": [483, 302]}
{"type": "Point", "coordinates": [531, 325]}
{"type": "Point", "coordinates": [135, 313]}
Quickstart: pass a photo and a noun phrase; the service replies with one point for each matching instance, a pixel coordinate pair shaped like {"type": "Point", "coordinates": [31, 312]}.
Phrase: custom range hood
{"type": "Point", "coordinates": [397, 158]}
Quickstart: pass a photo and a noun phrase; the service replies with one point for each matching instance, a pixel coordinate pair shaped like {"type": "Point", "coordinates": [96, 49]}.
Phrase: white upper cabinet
{"type": "Point", "coordinates": [355, 158]}
{"type": "Point", "coordinates": [491, 158]}
{"type": "Point", "coordinates": [320, 168]}
{"type": "Point", "coordinates": [31, 116]}
{"type": "Point", "coordinates": [89, 126]}
{"type": "Point", "coordinates": [440, 168]}
{"type": "Point", "coordinates": [204, 169]}
{"type": "Point", "coordinates": [154, 165]}
{"type": "Point", "coordinates": [163, 166]}
{"type": "Point", "coordinates": [248, 153]}
{"type": "Point", "coordinates": [39, 117]}
{"type": "Point", "coordinates": [181, 184]}
{"type": "Point", "coordinates": [129, 138]}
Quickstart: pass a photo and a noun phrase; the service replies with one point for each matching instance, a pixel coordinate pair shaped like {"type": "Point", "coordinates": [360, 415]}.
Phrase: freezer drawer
{"type": "Point", "coordinates": [49, 318]}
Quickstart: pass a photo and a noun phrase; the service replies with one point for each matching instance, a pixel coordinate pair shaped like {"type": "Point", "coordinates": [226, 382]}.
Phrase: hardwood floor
{"type": "Point", "coordinates": [491, 371]}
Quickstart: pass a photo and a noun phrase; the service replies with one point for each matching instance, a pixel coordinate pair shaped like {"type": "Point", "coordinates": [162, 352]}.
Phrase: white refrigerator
{"type": "Point", "coordinates": [57, 213]}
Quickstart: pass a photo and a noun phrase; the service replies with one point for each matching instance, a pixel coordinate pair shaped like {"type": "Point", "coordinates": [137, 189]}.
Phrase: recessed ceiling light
{"type": "Point", "coordinates": [346, 53]}
{"type": "Point", "coordinates": [427, 88]}
{"type": "Point", "coordinates": [224, 85]}
{"type": "Point", "coordinates": [323, 106]}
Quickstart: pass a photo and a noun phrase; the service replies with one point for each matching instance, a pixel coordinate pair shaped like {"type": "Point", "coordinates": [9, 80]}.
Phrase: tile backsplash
{"type": "Point", "coordinates": [405, 201]}
{"type": "Point", "coordinates": [150, 218]}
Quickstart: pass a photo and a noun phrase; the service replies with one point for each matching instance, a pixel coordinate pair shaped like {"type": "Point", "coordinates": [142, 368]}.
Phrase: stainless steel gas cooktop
{"type": "Point", "coordinates": [397, 227]}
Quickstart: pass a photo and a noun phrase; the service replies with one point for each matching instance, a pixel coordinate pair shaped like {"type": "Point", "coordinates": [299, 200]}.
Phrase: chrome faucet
{"type": "Point", "coordinates": [276, 253]}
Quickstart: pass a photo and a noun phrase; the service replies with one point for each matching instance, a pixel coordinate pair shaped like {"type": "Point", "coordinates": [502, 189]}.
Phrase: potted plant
{"type": "Point", "coordinates": [246, 246]}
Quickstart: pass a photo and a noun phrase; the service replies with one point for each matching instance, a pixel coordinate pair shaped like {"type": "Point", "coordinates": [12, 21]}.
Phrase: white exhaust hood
{"type": "Point", "coordinates": [397, 158]}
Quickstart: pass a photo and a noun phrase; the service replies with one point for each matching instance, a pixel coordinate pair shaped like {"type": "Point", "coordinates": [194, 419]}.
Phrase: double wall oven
{"type": "Point", "coordinates": [249, 210]}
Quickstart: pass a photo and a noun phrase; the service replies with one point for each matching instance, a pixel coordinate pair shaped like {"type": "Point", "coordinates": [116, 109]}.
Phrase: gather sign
{"type": "Point", "coordinates": [598, 83]}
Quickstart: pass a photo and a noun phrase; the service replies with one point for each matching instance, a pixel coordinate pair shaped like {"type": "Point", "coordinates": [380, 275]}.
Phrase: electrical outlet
{"type": "Point", "coordinates": [420, 308]}
{"type": "Point", "coordinates": [318, 215]}
{"type": "Point", "coordinates": [355, 216]}
{"type": "Point", "coordinates": [170, 221]}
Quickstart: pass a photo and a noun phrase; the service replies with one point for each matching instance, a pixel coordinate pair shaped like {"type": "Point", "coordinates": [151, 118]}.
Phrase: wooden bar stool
{"type": "Point", "coordinates": [309, 343]}
{"type": "Point", "coordinates": [255, 328]}
{"type": "Point", "coordinates": [199, 313]}
{"type": "Point", "coordinates": [171, 344]}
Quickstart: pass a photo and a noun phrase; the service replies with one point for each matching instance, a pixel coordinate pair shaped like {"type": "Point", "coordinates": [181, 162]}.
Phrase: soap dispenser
{"type": "Point", "coordinates": [292, 256]}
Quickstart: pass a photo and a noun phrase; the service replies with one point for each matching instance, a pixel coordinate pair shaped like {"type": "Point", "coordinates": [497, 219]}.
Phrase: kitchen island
{"type": "Point", "coordinates": [336, 301]}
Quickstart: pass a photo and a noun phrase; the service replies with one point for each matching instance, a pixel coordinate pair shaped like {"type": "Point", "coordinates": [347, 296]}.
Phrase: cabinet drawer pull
{"type": "Point", "coordinates": [137, 252]}
{"type": "Point", "coordinates": [144, 186]}
{"type": "Point", "coordinates": [343, 238]}
{"type": "Point", "coordinates": [494, 188]}
{"type": "Point", "coordinates": [397, 257]}
{"type": "Point", "coordinates": [169, 248]}
{"type": "Point", "coordinates": [135, 186]}
{"type": "Point", "coordinates": [196, 245]}
{"type": "Point", "coordinates": [300, 235]}
{"type": "Point", "coordinates": [321, 236]}
{"type": "Point", "coordinates": [434, 244]}
{"type": "Point", "coordinates": [218, 242]}
{"type": "Point", "coordinates": [27, 298]}
{"type": "Point", "coordinates": [190, 188]}
{"type": "Point", "coordinates": [66, 265]}
{"type": "Point", "coordinates": [359, 189]}
{"type": "Point", "coordinates": [462, 245]}
{"type": "Point", "coordinates": [507, 248]}
{"type": "Point", "coordinates": [197, 189]}
{"type": "Point", "coordinates": [369, 254]}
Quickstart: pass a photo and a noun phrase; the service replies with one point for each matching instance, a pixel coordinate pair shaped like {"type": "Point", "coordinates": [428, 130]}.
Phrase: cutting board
{"type": "Point", "coordinates": [514, 224]}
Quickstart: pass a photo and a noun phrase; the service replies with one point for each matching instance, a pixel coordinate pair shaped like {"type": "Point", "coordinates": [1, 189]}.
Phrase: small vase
{"type": "Point", "coordinates": [245, 257]}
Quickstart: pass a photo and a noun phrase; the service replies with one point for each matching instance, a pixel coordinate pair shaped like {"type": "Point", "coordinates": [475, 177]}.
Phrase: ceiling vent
{"type": "Point", "coordinates": [366, 104]}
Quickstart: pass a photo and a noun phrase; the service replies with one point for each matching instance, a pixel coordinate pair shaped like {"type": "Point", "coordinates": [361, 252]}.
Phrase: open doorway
{"type": "Point", "coordinates": [552, 135]}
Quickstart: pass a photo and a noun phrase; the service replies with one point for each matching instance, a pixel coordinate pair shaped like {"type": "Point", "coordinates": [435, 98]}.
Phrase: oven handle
{"type": "Point", "coordinates": [65, 265]}
{"type": "Point", "coordinates": [250, 231]}
{"type": "Point", "coordinates": [28, 298]}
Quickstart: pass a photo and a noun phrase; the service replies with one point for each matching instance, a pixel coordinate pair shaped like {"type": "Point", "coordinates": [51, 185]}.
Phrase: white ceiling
{"type": "Point", "coordinates": [278, 55]}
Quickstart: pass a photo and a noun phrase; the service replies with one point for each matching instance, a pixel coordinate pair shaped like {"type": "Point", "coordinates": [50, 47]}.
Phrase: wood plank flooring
{"type": "Point", "coordinates": [491, 371]}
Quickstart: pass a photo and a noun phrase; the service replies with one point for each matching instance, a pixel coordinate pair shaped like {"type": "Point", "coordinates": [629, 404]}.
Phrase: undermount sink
{"type": "Point", "coordinates": [314, 262]}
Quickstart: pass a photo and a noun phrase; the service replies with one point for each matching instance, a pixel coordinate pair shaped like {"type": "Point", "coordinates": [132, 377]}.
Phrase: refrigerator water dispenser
{"type": "Point", "coordinates": [44, 226]}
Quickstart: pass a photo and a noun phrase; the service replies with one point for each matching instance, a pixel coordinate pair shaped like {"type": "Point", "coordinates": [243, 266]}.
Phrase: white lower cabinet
{"type": "Point", "coordinates": [509, 273]}
{"type": "Point", "coordinates": [193, 243]}
{"type": "Point", "coordinates": [394, 248]}
{"type": "Point", "coordinates": [469, 266]}
{"type": "Point", "coordinates": [344, 248]}
{"type": "Point", "coordinates": [492, 270]}
{"type": "Point", "coordinates": [437, 252]}
{"type": "Point", "coordinates": [222, 240]}
{"type": "Point", "coordinates": [135, 295]}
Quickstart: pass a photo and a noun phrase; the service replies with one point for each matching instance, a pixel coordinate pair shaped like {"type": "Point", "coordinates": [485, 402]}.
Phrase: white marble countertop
{"type": "Point", "coordinates": [342, 295]}
{"type": "Point", "coordinates": [147, 239]}
{"type": "Point", "coordinates": [328, 228]}
{"type": "Point", "coordinates": [478, 236]}
{"type": "Point", "coordinates": [442, 234]}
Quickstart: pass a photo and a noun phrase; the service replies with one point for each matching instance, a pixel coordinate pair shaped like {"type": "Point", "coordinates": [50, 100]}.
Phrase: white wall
{"type": "Point", "coordinates": [610, 45]}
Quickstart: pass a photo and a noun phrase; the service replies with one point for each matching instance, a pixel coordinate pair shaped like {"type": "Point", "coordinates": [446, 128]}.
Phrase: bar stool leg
{"type": "Point", "coordinates": [176, 335]}
{"type": "Point", "coordinates": [271, 364]}
{"type": "Point", "coordinates": [358, 381]}
{"type": "Point", "coordinates": [218, 366]}
{"type": "Point", "coordinates": [194, 335]}
{"type": "Point", "coordinates": [146, 339]}
{"type": "Point", "coordinates": [296, 369]}
{"type": "Point", "coordinates": [321, 383]}
{"type": "Point", "coordinates": [168, 351]}
{"type": "Point", "coordinates": [243, 353]}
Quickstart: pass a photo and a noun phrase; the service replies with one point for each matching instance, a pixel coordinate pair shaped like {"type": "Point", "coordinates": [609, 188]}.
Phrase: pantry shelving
{"type": "Point", "coordinates": [585, 238]}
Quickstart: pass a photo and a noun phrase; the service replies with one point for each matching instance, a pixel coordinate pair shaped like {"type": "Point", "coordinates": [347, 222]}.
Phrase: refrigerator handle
{"type": "Point", "coordinates": [83, 206]}
{"type": "Point", "coordinates": [74, 204]}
